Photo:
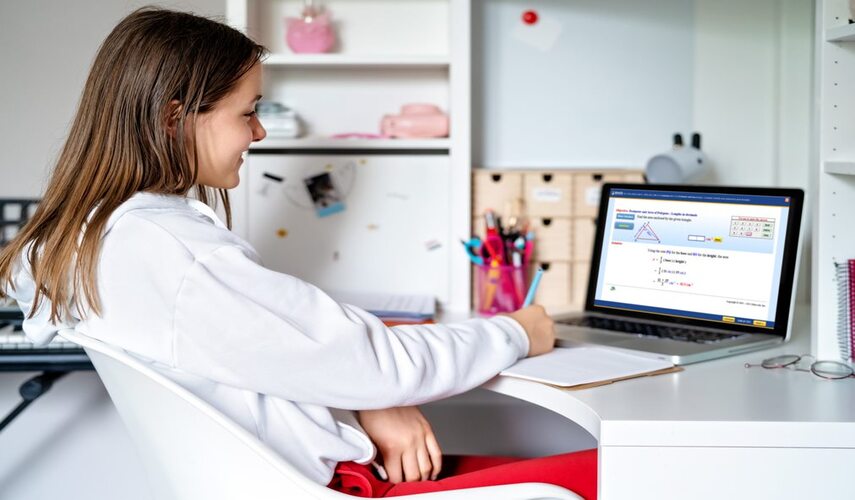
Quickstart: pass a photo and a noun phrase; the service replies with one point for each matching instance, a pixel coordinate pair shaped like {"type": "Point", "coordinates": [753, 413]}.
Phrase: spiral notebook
{"type": "Point", "coordinates": [846, 308]}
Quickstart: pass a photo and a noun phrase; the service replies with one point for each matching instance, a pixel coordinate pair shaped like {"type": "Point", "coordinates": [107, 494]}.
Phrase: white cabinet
{"type": "Point", "coordinates": [388, 53]}
{"type": "Point", "coordinates": [834, 190]}
{"type": "Point", "coordinates": [388, 238]}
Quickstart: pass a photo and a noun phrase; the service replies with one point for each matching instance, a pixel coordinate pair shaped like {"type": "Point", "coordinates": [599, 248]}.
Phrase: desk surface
{"type": "Point", "coordinates": [714, 403]}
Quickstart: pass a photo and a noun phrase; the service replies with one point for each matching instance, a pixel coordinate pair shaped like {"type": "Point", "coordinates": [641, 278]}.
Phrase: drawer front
{"type": "Point", "coordinates": [584, 231]}
{"type": "Point", "coordinates": [579, 288]}
{"type": "Point", "coordinates": [554, 289]}
{"type": "Point", "coordinates": [548, 194]}
{"type": "Point", "coordinates": [552, 238]}
{"type": "Point", "coordinates": [496, 190]}
{"type": "Point", "coordinates": [586, 191]}
{"type": "Point", "coordinates": [377, 243]}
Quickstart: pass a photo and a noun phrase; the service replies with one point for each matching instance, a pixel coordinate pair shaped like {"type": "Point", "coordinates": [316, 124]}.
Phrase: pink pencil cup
{"type": "Point", "coordinates": [499, 288]}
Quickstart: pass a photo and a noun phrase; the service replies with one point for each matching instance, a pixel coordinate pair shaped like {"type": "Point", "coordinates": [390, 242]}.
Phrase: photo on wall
{"type": "Point", "coordinates": [325, 197]}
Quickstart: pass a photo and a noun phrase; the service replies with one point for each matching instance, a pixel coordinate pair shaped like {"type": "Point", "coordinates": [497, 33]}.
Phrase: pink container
{"type": "Point", "coordinates": [309, 35]}
{"type": "Point", "coordinates": [416, 121]}
{"type": "Point", "coordinates": [499, 289]}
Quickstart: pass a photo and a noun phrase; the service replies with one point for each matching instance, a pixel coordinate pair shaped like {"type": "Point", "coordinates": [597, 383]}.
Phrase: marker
{"type": "Point", "coordinates": [529, 298]}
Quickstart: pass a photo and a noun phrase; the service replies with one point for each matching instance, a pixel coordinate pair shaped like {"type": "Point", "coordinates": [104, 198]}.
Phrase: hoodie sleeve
{"type": "Point", "coordinates": [38, 328]}
{"type": "Point", "coordinates": [241, 324]}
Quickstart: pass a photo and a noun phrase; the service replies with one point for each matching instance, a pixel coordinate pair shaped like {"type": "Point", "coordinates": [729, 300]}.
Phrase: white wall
{"type": "Point", "coordinates": [46, 48]}
{"type": "Point", "coordinates": [622, 76]}
{"type": "Point", "coordinates": [614, 86]}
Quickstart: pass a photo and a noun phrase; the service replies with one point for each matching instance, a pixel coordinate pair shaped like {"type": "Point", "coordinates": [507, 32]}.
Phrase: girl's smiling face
{"type": "Point", "coordinates": [224, 133]}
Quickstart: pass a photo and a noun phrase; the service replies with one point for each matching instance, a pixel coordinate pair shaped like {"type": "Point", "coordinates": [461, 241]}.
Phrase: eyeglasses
{"type": "Point", "coordinates": [831, 370]}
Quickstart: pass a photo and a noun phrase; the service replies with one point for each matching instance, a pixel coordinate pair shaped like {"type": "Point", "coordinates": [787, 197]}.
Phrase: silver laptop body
{"type": "Point", "coordinates": [684, 336]}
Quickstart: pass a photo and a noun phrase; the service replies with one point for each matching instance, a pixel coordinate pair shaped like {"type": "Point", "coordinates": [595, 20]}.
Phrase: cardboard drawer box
{"type": "Point", "coordinates": [478, 228]}
{"type": "Point", "coordinates": [553, 238]}
{"type": "Point", "coordinates": [586, 191]}
{"type": "Point", "coordinates": [584, 231]}
{"type": "Point", "coordinates": [496, 190]}
{"type": "Point", "coordinates": [634, 177]}
{"type": "Point", "coordinates": [554, 289]}
{"type": "Point", "coordinates": [548, 194]}
{"type": "Point", "coordinates": [579, 289]}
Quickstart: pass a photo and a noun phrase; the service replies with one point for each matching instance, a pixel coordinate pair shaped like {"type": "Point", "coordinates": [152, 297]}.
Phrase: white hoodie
{"type": "Point", "coordinates": [272, 352]}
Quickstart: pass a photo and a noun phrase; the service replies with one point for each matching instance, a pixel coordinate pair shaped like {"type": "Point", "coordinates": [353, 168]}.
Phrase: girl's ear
{"type": "Point", "coordinates": [173, 116]}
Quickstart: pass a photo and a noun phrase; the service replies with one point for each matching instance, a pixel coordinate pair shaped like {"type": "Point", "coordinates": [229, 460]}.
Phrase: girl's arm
{"type": "Point", "coordinates": [241, 324]}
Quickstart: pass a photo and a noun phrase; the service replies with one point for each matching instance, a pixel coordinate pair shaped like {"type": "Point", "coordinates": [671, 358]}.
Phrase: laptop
{"type": "Point", "coordinates": [690, 273]}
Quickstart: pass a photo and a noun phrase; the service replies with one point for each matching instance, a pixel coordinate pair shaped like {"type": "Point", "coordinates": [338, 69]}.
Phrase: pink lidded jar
{"type": "Point", "coordinates": [312, 33]}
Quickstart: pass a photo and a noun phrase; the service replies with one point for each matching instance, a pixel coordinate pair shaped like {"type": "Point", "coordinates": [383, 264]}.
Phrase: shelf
{"type": "Point", "coordinates": [839, 167]}
{"type": "Point", "coordinates": [356, 61]}
{"type": "Point", "coordinates": [844, 33]}
{"type": "Point", "coordinates": [335, 144]}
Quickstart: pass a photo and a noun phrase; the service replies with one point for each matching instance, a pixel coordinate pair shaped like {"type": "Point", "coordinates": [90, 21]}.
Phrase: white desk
{"type": "Point", "coordinates": [716, 430]}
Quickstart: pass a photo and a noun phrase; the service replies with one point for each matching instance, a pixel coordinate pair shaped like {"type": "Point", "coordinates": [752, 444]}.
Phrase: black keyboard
{"type": "Point", "coordinates": [19, 354]}
{"type": "Point", "coordinates": [681, 333]}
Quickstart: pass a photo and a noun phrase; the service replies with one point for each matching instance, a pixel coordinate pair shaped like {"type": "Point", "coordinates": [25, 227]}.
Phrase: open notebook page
{"type": "Point", "coordinates": [583, 364]}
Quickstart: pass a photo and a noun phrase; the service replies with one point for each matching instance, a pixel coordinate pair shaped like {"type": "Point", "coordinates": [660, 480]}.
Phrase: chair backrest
{"type": "Point", "coordinates": [192, 451]}
{"type": "Point", "coordinates": [189, 449]}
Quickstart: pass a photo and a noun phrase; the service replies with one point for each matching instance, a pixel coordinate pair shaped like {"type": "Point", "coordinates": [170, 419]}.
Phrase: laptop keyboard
{"type": "Point", "coordinates": [680, 333]}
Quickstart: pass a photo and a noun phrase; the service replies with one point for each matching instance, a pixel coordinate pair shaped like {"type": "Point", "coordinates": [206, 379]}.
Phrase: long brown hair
{"type": "Point", "coordinates": [119, 144]}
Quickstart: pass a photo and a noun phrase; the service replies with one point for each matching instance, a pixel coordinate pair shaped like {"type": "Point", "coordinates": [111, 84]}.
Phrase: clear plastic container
{"type": "Point", "coordinates": [499, 288]}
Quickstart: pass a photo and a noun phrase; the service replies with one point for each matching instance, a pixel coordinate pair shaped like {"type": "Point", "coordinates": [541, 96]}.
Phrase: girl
{"type": "Point", "coordinates": [118, 251]}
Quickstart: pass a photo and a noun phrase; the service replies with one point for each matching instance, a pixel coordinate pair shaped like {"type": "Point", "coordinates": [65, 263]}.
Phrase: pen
{"type": "Point", "coordinates": [529, 298]}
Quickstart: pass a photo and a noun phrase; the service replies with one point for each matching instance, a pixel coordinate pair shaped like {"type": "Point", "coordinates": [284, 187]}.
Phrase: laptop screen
{"type": "Point", "coordinates": [696, 255]}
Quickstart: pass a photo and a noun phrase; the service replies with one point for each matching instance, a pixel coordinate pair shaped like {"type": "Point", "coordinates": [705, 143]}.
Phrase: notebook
{"type": "Point", "coordinates": [585, 366]}
{"type": "Point", "coordinates": [690, 273]}
{"type": "Point", "coordinates": [390, 307]}
{"type": "Point", "coordinates": [845, 272]}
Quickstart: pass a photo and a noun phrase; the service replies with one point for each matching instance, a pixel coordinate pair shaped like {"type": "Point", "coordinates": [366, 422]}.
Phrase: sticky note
{"type": "Point", "coordinates": [542, 35]}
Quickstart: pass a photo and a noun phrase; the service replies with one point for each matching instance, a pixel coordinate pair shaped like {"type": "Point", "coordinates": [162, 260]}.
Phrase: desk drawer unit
{"type": "Point", "coordinates": [715, 473]}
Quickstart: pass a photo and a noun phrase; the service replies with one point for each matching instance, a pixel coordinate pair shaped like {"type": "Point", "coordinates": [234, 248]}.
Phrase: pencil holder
{"type": "Point", "coordinates": [499, 288]}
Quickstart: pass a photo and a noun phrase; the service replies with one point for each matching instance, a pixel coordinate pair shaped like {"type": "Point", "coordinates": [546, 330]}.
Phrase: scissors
{"type": "Point", "coordinates": [473, 250]}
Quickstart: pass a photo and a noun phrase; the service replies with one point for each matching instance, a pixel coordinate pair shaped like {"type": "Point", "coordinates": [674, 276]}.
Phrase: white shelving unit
{"type": "Point", "coordinates": [834, 195]}
{"type": "Point", "coordinates": [336, 144]}
{"type": "Point", "coordinates": [839, 167]}
{"type": "Point", "coordinates": [357, 61]}
{"type": "Point", "coordinates": [844, 33]}
{"type": "Point", "coordinates": [389, 53]}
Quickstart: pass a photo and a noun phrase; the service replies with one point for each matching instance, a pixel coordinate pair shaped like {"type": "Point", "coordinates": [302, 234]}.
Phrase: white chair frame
{"type": "Point", "coordinates": [192, 451]}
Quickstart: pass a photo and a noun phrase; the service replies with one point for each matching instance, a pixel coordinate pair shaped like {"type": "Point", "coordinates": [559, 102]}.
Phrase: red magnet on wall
{"type": "Point", "coordinates": [529, 17]}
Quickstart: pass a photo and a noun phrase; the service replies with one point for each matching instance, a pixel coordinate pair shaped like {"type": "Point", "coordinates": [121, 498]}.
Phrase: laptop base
{"type": "Point", "coordinates": [675, 351]}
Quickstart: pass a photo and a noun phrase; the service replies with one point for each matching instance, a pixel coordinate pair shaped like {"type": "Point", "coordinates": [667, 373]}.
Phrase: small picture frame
{"type": "Point", "coordinates": [325, 197]}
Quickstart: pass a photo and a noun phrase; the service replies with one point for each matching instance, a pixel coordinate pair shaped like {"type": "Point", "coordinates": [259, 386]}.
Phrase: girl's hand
{"type": "Point", "coordinates": [406, 442]}
{"type": "Point", "coordinates": [538, 326]}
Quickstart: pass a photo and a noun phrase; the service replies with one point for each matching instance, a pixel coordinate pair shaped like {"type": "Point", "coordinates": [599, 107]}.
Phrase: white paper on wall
{"type": "Point", "coordinates": [542, 35]}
